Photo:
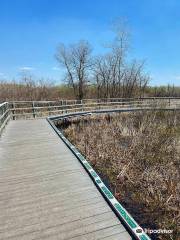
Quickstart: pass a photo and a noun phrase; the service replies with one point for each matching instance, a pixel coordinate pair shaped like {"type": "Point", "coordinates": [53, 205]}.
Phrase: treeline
{"type": "Point", "coordinates": [29, 90]}
{"type": "Point", "coordinates": [163, 91]}
{"type": "Point", "coordinates": [41, 90]}
{"type": "Point", "coordinates": [32, 89]}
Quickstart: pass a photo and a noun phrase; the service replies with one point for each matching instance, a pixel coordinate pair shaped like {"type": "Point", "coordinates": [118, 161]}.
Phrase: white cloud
{"type": "Point", "coordinates": [26, 68]}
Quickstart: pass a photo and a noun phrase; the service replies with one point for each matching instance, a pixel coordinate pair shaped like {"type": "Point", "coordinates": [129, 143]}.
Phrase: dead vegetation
{"type": "Point", "coordinates": [136, 154]}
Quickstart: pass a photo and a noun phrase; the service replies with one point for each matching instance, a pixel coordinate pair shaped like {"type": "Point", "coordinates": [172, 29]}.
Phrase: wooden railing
{"type": "Point", "coordinates": [5, 115]}
{"type": "Point", "coordinates": [41, 109]}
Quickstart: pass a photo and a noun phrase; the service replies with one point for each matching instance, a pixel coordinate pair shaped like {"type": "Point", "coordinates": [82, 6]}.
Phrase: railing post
{"type": "Point", "coordinates": [66, 111]}
{"type": "Point", "coordinates": [49, 108]}
{"type": "Point", "coordinates": [13, 111]}
{"type": "Point", "coordinates": [33, 110]}
{"type": "Point", "coordinates": [82, 105]}
{"type": "Point", "coordinates": [61, 106]}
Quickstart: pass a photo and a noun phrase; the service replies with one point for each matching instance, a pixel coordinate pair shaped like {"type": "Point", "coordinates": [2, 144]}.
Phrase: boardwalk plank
{"type": "Point", "coordinates": [45, 193]}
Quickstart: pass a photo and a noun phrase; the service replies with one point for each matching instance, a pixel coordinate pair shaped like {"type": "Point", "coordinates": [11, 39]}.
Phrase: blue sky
{"type": "Point", "coordinates": [30, 31]}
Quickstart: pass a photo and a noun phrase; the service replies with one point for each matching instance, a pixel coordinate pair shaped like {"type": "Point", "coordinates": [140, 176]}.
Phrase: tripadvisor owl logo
{"type": "Point", "coordinates": [139, 230]}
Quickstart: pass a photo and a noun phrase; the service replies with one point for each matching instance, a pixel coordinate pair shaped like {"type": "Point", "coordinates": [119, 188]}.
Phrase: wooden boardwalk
{"type": "Point", "coordinates": [45, 193]}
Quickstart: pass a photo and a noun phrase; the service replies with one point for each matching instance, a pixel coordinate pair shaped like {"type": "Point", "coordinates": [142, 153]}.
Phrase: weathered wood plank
{"type": "Point", "coordinates": [44, 191]}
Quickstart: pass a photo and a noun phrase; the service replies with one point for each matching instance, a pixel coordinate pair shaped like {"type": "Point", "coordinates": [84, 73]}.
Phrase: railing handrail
{"type": "Point", "coordinates": [89, 99]}
{"type": "Point", "coordinates": [40, 109]}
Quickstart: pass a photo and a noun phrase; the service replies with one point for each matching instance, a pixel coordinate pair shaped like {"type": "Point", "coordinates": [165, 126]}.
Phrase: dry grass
{"type": "Point", "coordinates": [136, 154]}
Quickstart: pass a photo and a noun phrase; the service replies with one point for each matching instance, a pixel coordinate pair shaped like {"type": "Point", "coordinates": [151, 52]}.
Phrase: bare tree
{"type": "Point", "coordinates": [76, 59]}
{"type": "Point", "coordinates": [109, 68]}
{"type": "Point", "coordinates": [135, 80]}
{"type": "Point", "coordinates": [114, 76]}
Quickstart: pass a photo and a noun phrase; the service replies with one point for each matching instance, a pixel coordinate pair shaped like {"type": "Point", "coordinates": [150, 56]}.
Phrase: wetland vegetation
{"type": "Point", "coordinates": [137, 156]}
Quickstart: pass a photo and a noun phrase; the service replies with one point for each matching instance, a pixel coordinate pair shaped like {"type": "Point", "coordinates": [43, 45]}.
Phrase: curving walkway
{"type": "Point", "coordinates": [45, 193]}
